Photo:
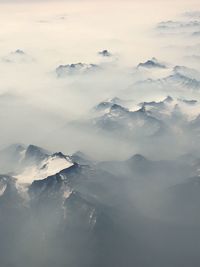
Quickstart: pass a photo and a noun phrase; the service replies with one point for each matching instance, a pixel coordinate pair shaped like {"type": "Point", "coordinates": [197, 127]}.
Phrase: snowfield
{"type": "Point", "coordinates": [50, 166]}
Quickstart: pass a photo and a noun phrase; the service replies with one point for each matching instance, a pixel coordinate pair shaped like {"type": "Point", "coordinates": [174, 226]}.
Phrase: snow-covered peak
{"type": "Point", "coordinates": [152, 63]}
{"type": "Point", "coordinates": [75, 68]}
{"type": "Point", "coordinates": [182, 76]}
{"type": "Point", "coordinates": [179, 77]}
{"type": "Point", "coordinates": [49, 166]}
{"type": "Point", "coordinates": [105, 106]}
{"type": "Point", "coordinates": [117, 110]}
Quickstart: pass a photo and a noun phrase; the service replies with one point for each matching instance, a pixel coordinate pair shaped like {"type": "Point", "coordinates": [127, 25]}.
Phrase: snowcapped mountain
{"type": "Point", "coordinates": [105, 53]}
{"type": "Point", "coordinates": [18, 56]}
{"type": "Point", "coordinates": [32, 162]}
{"type": "Point", "coordinates": [159, 109]}
{"type": "Point", "coordinates": [181, 27]}
{"type": "Point", "coordinates": [57, 183]}
{"type": "Point", "coordinates": [170, 110]}
{"type": "Point", "coordinates": [77, 68]}
{"type": "Point", "coordinates": [180, 78]}
{"type": "Point", "coordinates": [152, 63]}
{"type": "Point", "coordinates": [104, 106]}
{"type": "Point", "coordinates": [184, 77]}
{"type": "Point", "coordinates": [48, 166]}
{"type": "Point", "coordinates": [75, 196]}
{"type": "Point", "coordinates": [15, 156]}
{"type": "Point", "coordinates": [122, 120]}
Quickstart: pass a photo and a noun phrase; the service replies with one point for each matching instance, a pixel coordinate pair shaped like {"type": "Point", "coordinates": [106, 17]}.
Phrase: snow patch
{"type": "Point", "coordinates": [48, 167]}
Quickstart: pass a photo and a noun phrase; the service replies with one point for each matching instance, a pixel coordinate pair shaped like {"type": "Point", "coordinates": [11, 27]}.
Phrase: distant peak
{"type": "Point", "coordinates": [152, 63]}
{"type": "Point", "coordinates": [168, 99]}
{"type": "Point", "coordinates": [19, 52]}
{"type": "Point", "coordinates": [105, 53]}
{"type": "Point", "coordinates": [74, 68]}
{"type": "Point", "coordinates": [107, 104]}
{"type": "Point", "coordinates": [116, 107]}
{"type": "Point", "coordinates": [137, 158]}
{"type": "Point", "coordinates": [142, 109]}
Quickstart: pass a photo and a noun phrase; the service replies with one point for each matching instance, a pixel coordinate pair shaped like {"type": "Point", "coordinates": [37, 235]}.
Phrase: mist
{"type": "Point", "coordinates": [99, 139]}
{"type": "Point", "coordinates": [50, 35]}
